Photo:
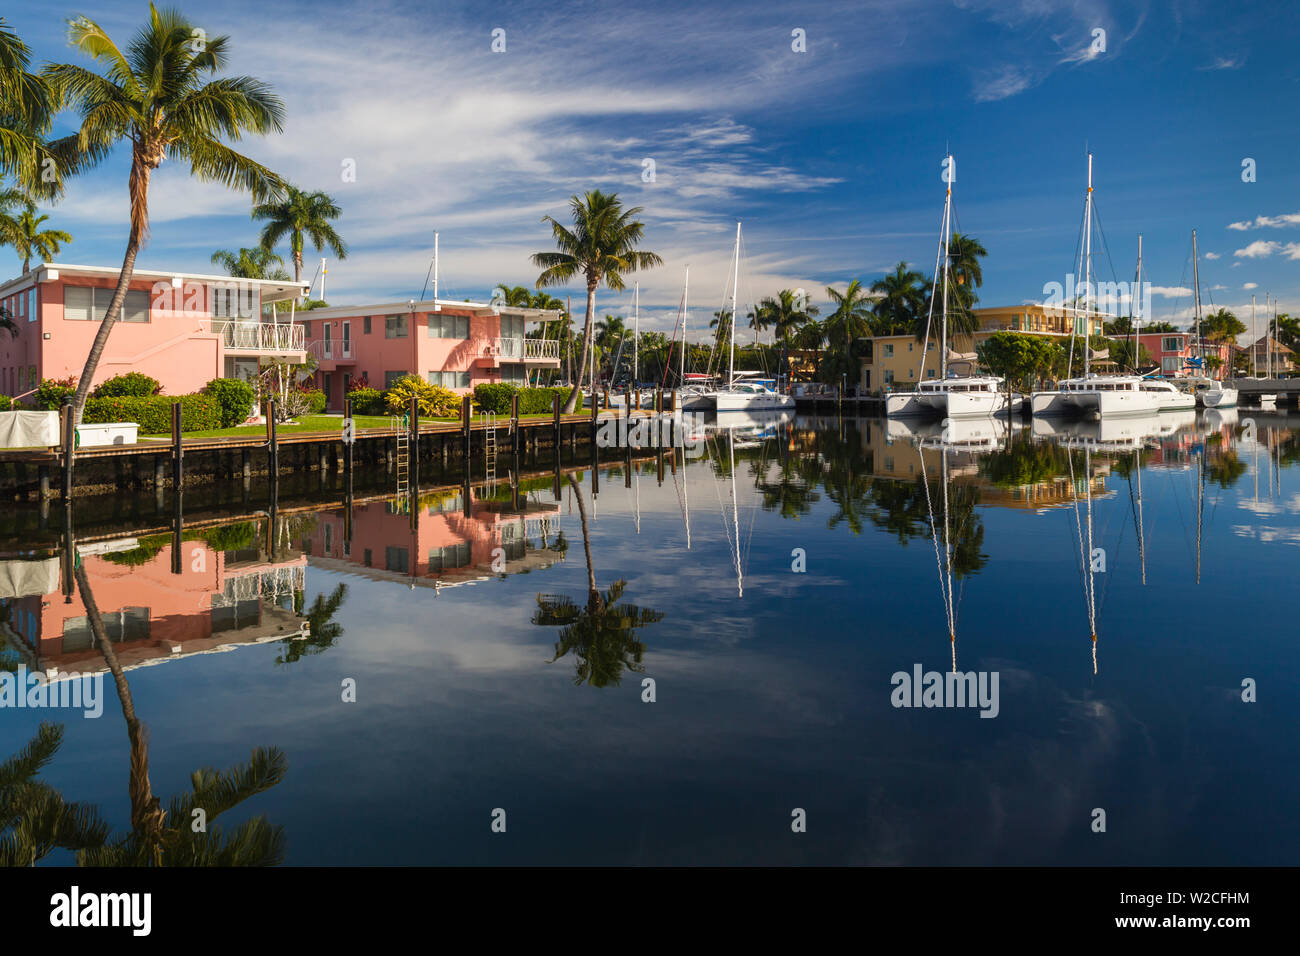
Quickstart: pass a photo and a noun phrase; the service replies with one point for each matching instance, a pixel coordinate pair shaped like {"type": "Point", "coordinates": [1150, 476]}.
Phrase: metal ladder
{"type": "Point", "coordinates": [403, 454]}
{"type": "Point", "coordinates": [490, 450]}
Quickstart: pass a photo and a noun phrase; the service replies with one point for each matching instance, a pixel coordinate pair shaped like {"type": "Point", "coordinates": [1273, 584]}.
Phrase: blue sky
{"type": "Point", "coordinates": [831, 157]}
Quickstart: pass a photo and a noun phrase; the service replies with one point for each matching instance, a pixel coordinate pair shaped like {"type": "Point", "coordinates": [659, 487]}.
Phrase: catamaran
{"type": "Point", "coordinates": [743, 392]}
{"type": "Point", "coordinates": [1092, 395]}
{"type": "Point", "coordinates": [951, 395]}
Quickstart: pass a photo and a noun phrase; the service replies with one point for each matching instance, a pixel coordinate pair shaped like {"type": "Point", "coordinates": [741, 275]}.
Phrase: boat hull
{"type": "Point", "coordinates": [1096, 404]}
{"type": "Point", "coordinates": [751, 401]}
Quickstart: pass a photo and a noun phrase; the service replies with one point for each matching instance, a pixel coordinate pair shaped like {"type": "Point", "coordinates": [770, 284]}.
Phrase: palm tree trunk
{"type": "Point", "coordinates": [147, 817]}
{"type": "Point", "coordinates": [572, 401]}
{"type": "Point", "coordinates": [139, 190]}
{"type": "Point", "coordinates": [586, 540]}
{"type": "Point", "coordinates": [297, 266]}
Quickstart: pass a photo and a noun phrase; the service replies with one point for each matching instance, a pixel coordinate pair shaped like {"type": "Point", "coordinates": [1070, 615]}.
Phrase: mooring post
{"type": "Point", "coordinates": [178, 461]}
{"type": "Point", "coordinates": [43, 479]}
{"type": "Point", "coordinates": [69, 556]}
{"type": "Point", "coordinates": [68, 422]}
{"type": "Point", "coordinates": [555, 414]}
{"type": "Point", "coordinates": [464, 426]}
{"type": "Point", "coordinates": [627, 472]}
{"type": "Point", "coordinates": [349, 439]}
{"type": "Point", "coordinates": [514, 424]}
{"type": "Point", "coordinates": [272, 447]}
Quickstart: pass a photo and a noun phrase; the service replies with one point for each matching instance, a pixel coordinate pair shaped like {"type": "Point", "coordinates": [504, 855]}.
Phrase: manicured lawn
{"type": "Point", "coordinates": [306, 423]}
{"type": "Point", "coordinates": [332, 423]}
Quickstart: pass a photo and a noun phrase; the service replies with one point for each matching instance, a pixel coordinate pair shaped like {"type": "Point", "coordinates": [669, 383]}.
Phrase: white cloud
{"type": "Point", "coordinates": [1212, 255]}
{"type": "Point", "coordinates": [1267, 222]}
{"type": "Point", "coordinates": [1224, 63]}
{"type": "Point", "coordinates": [1259, 249]}
{"type": "Point", "coordinates": [1170, 292]}
{"type": "Point", "coordinates": [1250, 285]}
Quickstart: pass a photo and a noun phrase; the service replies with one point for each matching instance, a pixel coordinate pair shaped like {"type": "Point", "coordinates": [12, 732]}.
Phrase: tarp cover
{"type": "Point", "coordinates": [25, 578]}
{"type": "Point", "coordinates": [28, 429]}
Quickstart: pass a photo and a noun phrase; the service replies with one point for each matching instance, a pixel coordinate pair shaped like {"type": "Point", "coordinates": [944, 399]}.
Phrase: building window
{"type": "Point", "coordinates": [889, 376]}
{"type": "Point", "coordinates": [514, 373]}
{"type": "Point", "coordinates": [230, 300]}
{"type": "Point", "coordinates": [889, 351]}
{"type": "Point", "coordinates": [1171, 345]}
{"type": "Point", "coordinates": [442, 326]}
{"type": "Point", "coordinates": [395, 327]}
{"type": "Point", "coordinates": [391, 378]}
{"type": "Point", "coordinates": [452, 556]}
{"type": "Point", "coordinates": [909, 346]}
{"type": "Point", "coordinates": [88, 304]}
{"type": "Point", "coordinates": [449, 379]}
{"type": "Point", "coordinates": [1170, 366]}
{"type": "Point", "coordinates": [365, 325]}
{"type": "Point", "coordinates": [397, 560]}
{"type": "Point", "coordinates": [929, 373]}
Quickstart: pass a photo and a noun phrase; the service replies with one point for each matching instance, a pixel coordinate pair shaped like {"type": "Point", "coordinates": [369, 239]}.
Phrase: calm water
{"type": "Point", "coordinates": [487, 676]}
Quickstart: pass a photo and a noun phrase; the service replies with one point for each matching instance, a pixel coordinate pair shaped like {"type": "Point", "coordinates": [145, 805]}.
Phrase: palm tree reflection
{"type": "Point", "coordinates": [601, 633]}
{"type": "Point", "coordinates": [168, 838]}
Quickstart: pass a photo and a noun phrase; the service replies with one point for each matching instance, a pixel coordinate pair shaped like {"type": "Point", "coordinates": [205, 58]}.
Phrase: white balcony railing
{"type": "Point", "coordinates": [259, 336]}
{"type": "Point", "coordinates": [524, 350]}
{"type": "Point", "coordinates": [331, 348]}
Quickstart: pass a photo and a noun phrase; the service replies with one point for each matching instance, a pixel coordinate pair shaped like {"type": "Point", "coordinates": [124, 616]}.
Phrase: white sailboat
{"type": "Point", "coordinates": [741, 394]}
{"type": "Point", "coordinates": [949, 396]}
{"type": "Point", "coordinates": [1091, 395]}
{"type": "Point", "coordinates": [1208, 392]}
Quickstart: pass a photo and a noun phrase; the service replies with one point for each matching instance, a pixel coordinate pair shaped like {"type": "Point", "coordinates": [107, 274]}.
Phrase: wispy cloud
{"type": "Point", "coordinates": [1267, 222]}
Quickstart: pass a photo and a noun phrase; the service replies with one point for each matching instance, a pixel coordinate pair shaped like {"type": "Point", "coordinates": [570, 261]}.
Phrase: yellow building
{"type": "Point", "coordinates": [895, 361]}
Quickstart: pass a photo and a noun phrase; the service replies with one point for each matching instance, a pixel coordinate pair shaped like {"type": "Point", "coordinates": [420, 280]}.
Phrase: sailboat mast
{"type": "Point", "coordinates": [1087, 273]}
{"type": "Point", "coordinates": [636, 325]}
{"type": "Point", "coordinates": [1196, 301]}
{"type": "Point", "coordinates": [1135, 308]}
{"type": "Point", "coordinates": [681, 361]}
{"type": "Point", "coordinates": [735, 510]}
{"type": "Point", "coordinates": [1254, 369]}
{"type": "Point", "coordinates": [947, 233]}
{"type": "Point", "coordinates": [735, 283]}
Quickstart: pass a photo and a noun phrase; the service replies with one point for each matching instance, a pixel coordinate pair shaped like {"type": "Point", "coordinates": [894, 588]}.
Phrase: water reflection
{"type": "Point", "coordinates": [467, 620]}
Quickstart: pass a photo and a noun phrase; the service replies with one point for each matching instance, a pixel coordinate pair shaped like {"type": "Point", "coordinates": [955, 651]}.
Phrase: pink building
{"type": "Point", "coordinates": [454, 344]}
{"type": "Point", "coordinates": [183, 329]}
{"type": "Point", "coordinates": [1171, 351]}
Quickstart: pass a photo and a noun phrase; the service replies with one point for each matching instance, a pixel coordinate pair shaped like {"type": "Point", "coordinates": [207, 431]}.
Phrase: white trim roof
{"type": "Point", "coordinates": [273, 290]}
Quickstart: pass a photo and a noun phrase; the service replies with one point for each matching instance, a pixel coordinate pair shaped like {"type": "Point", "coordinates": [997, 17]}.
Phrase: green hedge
{"type": "Point", "coordinates": [236, 398]}
{"type": "Point", "coordinates": [367, 401]}
{"type": "Point", "coordinates": [537, 401]}
{"type": "Point", "coordinates": [154, 413]}
{"type": "Point", "coordinates": [135, 384]}
{"type": "Point", "coordinates": [494, 397]}
{"type": "Point", "coordinates": [315, 400]}
{"type": "Point", "coordinates": [6, 403]}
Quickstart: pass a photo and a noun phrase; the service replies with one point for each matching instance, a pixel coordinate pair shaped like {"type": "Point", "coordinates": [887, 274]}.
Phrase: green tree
{"type": "Point", "coordinates": [1221, 326]}
{"type": "Point", "coordinates": [160, 96]}
{"type": "Point", "coordinates": [1014, 356]}
{"type": "Point", "coordinates": [601, 247]}
{"type": "Point", "coordinates": [256, 263]}
{"type": "Point", "coordinates": [850, 320]}
{"type": "Point", "coordinates": [518, 296]}
{"type": "Point", "coordinates": [301, 216]}
{"type": "Point", "coordinates": [901, 303]}
{"type": "Point", "coordinates": [25, 234]}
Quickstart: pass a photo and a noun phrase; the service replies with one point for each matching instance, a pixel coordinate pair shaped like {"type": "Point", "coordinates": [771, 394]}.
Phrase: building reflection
{"type": "Point", "coordinates": [441, 539]}
{"type": "Point", "coordinates": [222, 592]}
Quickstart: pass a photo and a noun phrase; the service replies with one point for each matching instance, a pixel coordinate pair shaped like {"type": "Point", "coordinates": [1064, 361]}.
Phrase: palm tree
{"type": "Point", "coordinates": [600, 247]}
{"type": "Point", "coordinates": [610, 331]}
{"type": "Point", "coordinates": [964, 254]}
{"type": "Point", "coordinates": [602, 633]}
{"type": "Point", "coordinates": [160, 96]}
{"type": "Point", "coordinates": [166, 838]}
{"type": "Point", "coordinates": [34, 817]}
{"type": "Point", "coordinates": [902, 299]}
{"type": "Point", "coordinates": [256, 263]}
{"type": "Point", "coordinates": [785, 314]}
{"type": "Point", "coordinates": [513, 295]}
{"type": "Point", "coordinates": [851, 317]}
{"type": "Point", "coordinates": [27, 107]}
{"type": "Point", "coordinates": [297, 215]}
{"type": "Point", "coordinates": [7, 322]}
{"type": "Point", "coordinates": [25, 234]}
